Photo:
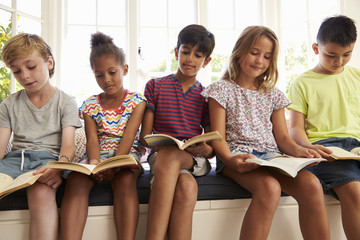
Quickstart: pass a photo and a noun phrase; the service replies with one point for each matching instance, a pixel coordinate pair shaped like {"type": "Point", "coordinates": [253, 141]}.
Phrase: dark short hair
{"type": "Point", "coordinates": [338, 29]}
{"type": "Point", "coordinates": [197, 35]}
{"type": "Point", "coordinates": [102, 44]}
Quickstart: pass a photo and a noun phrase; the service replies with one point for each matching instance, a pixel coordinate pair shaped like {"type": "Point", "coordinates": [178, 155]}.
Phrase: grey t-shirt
{"type": "Point", "coordinates": [38, 129]}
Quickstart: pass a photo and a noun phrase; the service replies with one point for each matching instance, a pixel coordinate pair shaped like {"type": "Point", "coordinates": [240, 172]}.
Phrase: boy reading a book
{"type": "Point", "coordinates": [176, 107]}
{"type": "Point", "coordinates": [325, 112]}
{"type": "Point", "coordinates": [42, 120]}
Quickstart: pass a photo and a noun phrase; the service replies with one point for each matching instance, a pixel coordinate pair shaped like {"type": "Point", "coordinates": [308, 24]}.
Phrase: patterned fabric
{"type": "Point", "coordinates": [111, 123]}
{"type": "Point", "coordinates": [248, 115]}
{"type": "Point", "coordinates": [181, 115]}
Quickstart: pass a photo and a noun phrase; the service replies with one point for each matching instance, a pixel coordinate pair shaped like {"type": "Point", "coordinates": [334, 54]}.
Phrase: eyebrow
{"type": "Point", "coordinates": [342, 53]}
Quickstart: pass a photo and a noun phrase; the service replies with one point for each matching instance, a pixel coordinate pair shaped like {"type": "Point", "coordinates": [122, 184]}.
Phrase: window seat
{"type": "Point", "coordinates": [218, 213]}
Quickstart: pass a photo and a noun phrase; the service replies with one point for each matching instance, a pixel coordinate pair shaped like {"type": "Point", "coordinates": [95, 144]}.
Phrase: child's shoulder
{"type": "Point", "coordinates": [353, 71]}
{"type": "Point", "coordinates": [13, 98]}
{"type": "Point", "coordinates": [135, 96]}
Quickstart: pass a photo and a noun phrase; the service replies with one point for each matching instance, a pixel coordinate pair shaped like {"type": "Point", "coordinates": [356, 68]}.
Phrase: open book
{"type": "Point", "coordinates": [287, 165]}
{"type": "Point", "coordinates": [339, 153]}
{"type": "Point", "coordinates": [125, 161]}
{"type": "Point", "coordinates": [9, 185]}
{"type": "Point", "coordinates": [164, 139]}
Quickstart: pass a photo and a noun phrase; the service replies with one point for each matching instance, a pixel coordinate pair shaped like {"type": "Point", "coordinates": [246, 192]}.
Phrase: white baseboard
{"type": "Point", "coordinates": [213, 220]}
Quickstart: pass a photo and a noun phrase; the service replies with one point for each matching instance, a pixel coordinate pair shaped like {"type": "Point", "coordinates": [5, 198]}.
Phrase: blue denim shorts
{"type": "Point", "coordinates": [18, 162]}
{"type": "Point", "coordinates": [337, 173]}
{"type": "Point", "coordinates": [262, 155]}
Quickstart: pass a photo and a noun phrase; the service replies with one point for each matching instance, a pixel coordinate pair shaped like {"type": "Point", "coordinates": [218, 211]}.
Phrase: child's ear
{"type": "Point", "coordinates": [126, 69]}
{"type": "Point", "coordinates": [50, 63]}
{"type": "Point", "coordinates": [315, 48]}
{"type": "Point", "coordinates": [206, 62]}
{"type": "Point", "coordinates": [176, 54]}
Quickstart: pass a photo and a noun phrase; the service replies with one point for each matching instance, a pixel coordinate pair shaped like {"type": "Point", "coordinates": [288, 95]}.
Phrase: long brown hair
{"type": "Point", "coordinates": [243, 46]}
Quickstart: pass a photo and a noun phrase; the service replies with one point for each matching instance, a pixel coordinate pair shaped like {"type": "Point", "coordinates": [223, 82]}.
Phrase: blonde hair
{"type": "Point", "coordinates": [25, 44]}
{"type": "Point", "coordinates": [243, 46]}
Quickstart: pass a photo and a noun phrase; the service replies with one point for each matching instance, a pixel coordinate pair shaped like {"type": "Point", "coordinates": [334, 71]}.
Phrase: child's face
{"type": "Point", "coordinates": [32, 72]}
{"type": "Point", "coordinates": [258, 60]}
{"type": "Point", "coordinates": [109, 73]}
{"type": "Point", "coordinates": [332, 57]}
{"type": "Point", "coordinates": [190, 59]}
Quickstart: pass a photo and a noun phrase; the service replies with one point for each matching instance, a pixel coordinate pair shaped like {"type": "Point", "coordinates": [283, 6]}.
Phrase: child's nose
{"type": "Point", "coordinates": [24, 74]}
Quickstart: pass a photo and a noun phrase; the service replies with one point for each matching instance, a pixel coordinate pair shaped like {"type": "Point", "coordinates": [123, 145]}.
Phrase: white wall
{"type": "Point", "coordinates": [351, 8]}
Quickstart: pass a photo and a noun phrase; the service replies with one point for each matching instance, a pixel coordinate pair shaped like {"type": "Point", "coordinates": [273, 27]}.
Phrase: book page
{"type": "Point", "coordinates": [79, 167]}
{"type": "Point", "coordinates": [5, 180]}
{"type": "Point", "coordinates": [339, 153]}
{"type": "Point", "coordinates": [296, 163]}
{"type": "Point", "coordinates": [22, 180]}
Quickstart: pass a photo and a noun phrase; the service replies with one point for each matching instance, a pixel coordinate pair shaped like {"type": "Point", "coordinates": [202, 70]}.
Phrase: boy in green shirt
{"type": "Point", "coordinates": [325, 112]}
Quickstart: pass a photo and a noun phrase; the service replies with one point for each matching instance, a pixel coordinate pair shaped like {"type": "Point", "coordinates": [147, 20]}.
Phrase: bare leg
{"type": "Point", "coordinates": [126, 203]}
{"type": "Point", "coordinates": [74, 205]}
{"type": "Point", "coordinates": [183, 208]}
{"type": "Point", "coordinates": [307, 191]}
{"type": "Point", "coordinates": [169, 161]}
{"type": "Point", "coordinates": [44, 220]}
{"type": "Point", "coordinates": [266, 194]}
{"type": "Point", "coordinates": [349, 196]}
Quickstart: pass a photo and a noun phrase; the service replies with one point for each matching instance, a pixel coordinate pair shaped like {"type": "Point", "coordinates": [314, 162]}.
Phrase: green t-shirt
{"type": "Point", "coordinates": [331, 103]}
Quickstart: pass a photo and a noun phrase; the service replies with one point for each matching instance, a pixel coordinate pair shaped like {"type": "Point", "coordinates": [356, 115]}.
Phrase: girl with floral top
{"type": "Point", "coordinates": [248, 111]}
{"type": "Point", "coordinates": [112, 120]}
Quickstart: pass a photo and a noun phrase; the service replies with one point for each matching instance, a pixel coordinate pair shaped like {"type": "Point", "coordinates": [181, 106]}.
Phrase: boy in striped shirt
{"type": "Point", "coordinates": [177, 108]}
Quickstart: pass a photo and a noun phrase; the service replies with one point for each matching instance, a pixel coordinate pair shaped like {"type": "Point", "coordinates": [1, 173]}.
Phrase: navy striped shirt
{"type": "Point", "coordinates": [181, 115]}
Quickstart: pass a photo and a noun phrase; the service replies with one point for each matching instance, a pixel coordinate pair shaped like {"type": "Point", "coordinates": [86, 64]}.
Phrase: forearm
{"type": "Point", "coordinates": [300, 137]}
{"type": "Point", "coordinates": [222, 150]}
{"type": "Point", "coordinates": [93, 150]}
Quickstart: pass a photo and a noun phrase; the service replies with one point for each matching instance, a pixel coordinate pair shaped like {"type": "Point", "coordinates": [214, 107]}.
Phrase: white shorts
{"type": "Point", "coordinates": [201, 167]}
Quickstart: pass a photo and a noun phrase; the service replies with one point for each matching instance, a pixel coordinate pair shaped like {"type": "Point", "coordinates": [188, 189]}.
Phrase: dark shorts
{"type": "Point", "coordinates": [337, 173]}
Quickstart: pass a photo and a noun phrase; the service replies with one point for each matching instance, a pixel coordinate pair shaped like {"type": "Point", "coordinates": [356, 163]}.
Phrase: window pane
{"type": "Point", "coordinates": [29, 25]}
{"type": "Point", "coordinates": [118, 34]}
{"type": "Point", "coordinates": [77, 77]}
{"type": "Point", "coordinates": [293, 11]}
{"type": "Point", "coordinates": [317, 9]}
{"type": "Point", "coordinates": [112, 12]}
{"type": "Point", "coordinates": [155, 51]}
{"type": "Point", "coordinates": [6, 2]}
{"type": "Point", "coordinates": [5, 19]}
{"type": "Point", "coordinates": [247, 13]}
{"type": "Point", "coordinates": [153, 13]}
{"type": "Point", "coordinates": [5, 33]}
{"type": "Point", "coordinates": [182, 13]}
{"type": "Point", "coordinates": [299, 25]}
{"type": "Point", "coordinates": [221, 14]}
{"type": "Point", "coordinates": [81, 12]}
{"type": "Point", "coordinates": [32, 7]}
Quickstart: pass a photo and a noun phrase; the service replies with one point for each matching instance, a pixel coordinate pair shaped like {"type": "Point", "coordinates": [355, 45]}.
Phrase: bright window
{"type": "Point", "coordinates": [147, 31]}
{"type": "Point", "coordinates": [16, 16]}
{"type": "Point", "coordinates": [107, 16]}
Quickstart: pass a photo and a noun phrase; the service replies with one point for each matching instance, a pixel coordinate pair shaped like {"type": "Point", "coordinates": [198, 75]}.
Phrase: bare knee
{"type": "Point", "coordinates": [124, 177]}
{"type": "Point", "coordinates": [41, 195]}
{"type": "Point", "coordinates": [309, 190]}
{"type": "Point", "coordinates": [79, 183]}
{"type": "Point", "coordinates": [186, 191]}
{"type": "Point", "coordinates": [268, 192]}
{"type": "Point", "coordinates": [349, 193]}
